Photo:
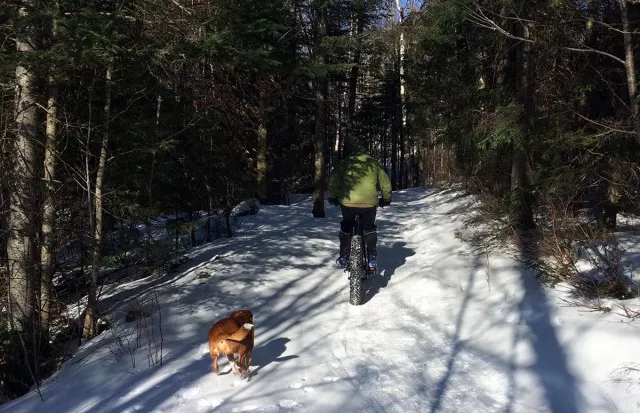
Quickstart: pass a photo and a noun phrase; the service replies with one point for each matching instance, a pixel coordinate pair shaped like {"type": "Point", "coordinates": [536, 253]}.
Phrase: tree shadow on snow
{"type": "Point", "coordinates": [534, 328]}
{"type": "Point", "coordinates": [457, 345]}
{"type": "Point", "coordinates": [551, 366]}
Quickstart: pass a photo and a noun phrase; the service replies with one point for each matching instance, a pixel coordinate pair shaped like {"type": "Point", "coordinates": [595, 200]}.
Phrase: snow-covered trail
{"type": "Point", "coordinates": [443, 329]}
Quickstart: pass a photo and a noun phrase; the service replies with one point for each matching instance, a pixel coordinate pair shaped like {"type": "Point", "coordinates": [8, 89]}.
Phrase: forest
{"type": "Point", "coordinates": [116, 112]}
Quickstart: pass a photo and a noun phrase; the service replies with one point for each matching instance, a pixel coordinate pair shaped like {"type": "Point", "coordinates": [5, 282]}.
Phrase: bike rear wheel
{"type": "Point", "coordinates": [357, 270]}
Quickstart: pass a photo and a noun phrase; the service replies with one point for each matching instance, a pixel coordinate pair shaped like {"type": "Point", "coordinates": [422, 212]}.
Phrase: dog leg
{"type": "Point", "coordinates": [215, 364]}
{"type": "Point", "coordinates": [241, 359]}
{"type": "Point", "coordinates": [245, 373]}
{"type": "Point", "coordinates": [234, 365]}
{"type": "Point", "coordinates": [243, 364]}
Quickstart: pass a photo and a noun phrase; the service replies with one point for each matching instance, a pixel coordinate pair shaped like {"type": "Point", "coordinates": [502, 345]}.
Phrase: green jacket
{"type": "Point", "coordinates": [355, 180]}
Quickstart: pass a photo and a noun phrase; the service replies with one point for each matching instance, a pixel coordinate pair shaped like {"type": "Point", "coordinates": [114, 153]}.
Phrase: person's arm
{"type": "Point", "coordinates": [385, 185]}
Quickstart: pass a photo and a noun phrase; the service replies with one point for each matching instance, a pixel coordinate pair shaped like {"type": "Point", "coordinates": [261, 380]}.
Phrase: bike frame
{"type": "Point", "coordinates": [358, 229]}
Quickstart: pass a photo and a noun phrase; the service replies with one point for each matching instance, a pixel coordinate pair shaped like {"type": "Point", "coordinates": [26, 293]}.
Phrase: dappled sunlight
{"type": "Point", "coordinates": [443, 328]}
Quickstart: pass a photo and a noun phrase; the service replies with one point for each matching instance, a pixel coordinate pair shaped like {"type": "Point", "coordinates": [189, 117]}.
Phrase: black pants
{"type": "Point", "coordinates": [368, 226]}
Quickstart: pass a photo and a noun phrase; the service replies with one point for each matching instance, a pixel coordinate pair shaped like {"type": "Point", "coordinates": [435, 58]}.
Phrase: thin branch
{"type": "Point", "coordinates": [93, 350]}
{"type": "Point", "coordinates": [602, 125]}
{"type": "Point", "coordinates": [610, 27]}
{"type": "Point", "coordinates": [502, 17]}
{"type": "Point", "coordinates": [483, 20]}
{"type": "Point", "coordinates": [184, 9]}
{"type": "Point", "coordinates": [612, 89]}
{"type": "Point", "coordinates": [600, 52]}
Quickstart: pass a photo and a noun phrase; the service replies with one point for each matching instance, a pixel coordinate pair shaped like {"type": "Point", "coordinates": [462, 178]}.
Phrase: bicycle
{"type": "Point", "coordinates": [358, 261]}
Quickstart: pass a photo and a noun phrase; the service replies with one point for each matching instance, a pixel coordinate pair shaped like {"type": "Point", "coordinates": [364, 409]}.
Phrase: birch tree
{"type": "Point", "coordinates": [629, 66]}
{"type": "Point", "coordinates": [402, 97]}
{"type": "Point", "coordinates": [89, 322]}
{"type": "Point", "coordinates": [48, 214]}
{"type": "Point", "coordinates": [358, 22]}
{"type": "Point", "coordinates": [21, 248]}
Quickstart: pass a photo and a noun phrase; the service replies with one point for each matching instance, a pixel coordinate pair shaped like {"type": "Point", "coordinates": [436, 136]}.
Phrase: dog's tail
{"type": "Point", "coordinates": [242, 333]}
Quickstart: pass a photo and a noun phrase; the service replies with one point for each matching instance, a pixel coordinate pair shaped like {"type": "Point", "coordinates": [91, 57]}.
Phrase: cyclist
{"type": "Point", "coordinates": [353, 185]}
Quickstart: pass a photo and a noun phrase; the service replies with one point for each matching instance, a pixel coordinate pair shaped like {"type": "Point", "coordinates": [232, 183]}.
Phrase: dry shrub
{"type": "Point", "coordinates": [584, 255]}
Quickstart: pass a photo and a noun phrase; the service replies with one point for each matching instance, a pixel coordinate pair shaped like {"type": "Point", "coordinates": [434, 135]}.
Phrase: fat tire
{"type": "Point", "coordinates": [357, 271]}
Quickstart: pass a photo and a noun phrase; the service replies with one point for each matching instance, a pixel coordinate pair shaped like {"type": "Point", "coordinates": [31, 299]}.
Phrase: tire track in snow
{"type": "Point", "coordinates": [377, 370]}
{"type": "Point", "coordinates": [391, 349]}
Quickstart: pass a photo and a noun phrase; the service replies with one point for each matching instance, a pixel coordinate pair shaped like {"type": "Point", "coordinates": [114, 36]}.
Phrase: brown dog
{"type": "Point", "coordinates": [230, 336]}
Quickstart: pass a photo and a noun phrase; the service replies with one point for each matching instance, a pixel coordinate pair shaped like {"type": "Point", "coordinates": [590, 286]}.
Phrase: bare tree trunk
{"type": "Point", "coordinates": [320, 122]}
{"type": "Point", "coordinates": [48, 215]}
{"type": "Point", "coordinates": [401, 158]}
{"type": "Point", "coordinates": [47, 247]}
{"type": "Point", "coordinates": [629, 66]}
{"type": "Point", "coordinates": [154, 157]}
{"type": "Point", "coordinates": [89, 322]}
{"type": "Point", "coordinates": [413, 160]}
{"type": "Point", "coordinates": [355, 71]}
{"type": "Point", "coordinates": [394, 146]}
{"type": "Point", "coordinates": [422, 166]}
{"type": "Point", "coordinates": [339, 132]}
{"type": "Point", "coordinates": [21, 248]}
{"type": "Point", "coordinates": [441, 171]}
{"type": "Point", "coordinates": [521, 168]}
{"type": "Point", "coordinates": [434, 155]}
{"type": "Point", "coordinates": [262, 160]}
{"type": "Point", "coordinates": [319, 149]}
{"type": "Point", "coordinates": [152, 171]}
{"type": "Point", "coordinates": [402, 99]}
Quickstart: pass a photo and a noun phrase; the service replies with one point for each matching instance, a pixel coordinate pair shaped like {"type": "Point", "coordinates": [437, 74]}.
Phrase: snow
{"type": "Point", "coordinates": [443, 328]}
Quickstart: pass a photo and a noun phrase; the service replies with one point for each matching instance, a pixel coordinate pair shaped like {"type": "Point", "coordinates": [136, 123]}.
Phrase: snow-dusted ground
{"type": "Point", "coordinates": [436, 334]}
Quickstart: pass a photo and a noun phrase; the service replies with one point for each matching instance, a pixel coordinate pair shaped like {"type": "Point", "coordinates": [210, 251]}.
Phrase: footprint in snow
{"type": "Point", "coordinates": [331, 379]}
{"type": "Point", "coordinates": [189, 393]}
{"type": "Point", "coordinates": [288, 404]}
{"type": "Point", "coordinates": [179, 375]}
{"type": "Point", "coordinates": [208, 404]}
{"type": "Point", "coordinates": [134, 408]}
{"type": "Point", "coordinates": [247, 409]}
{"type": "Point", "coordinates": [304, 388]}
